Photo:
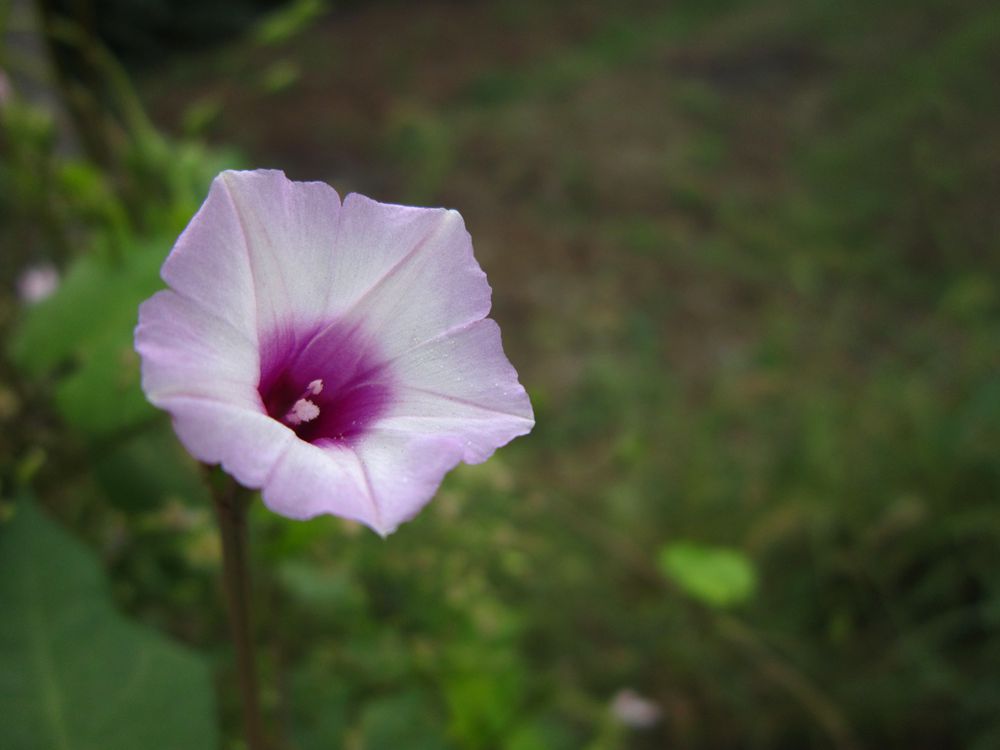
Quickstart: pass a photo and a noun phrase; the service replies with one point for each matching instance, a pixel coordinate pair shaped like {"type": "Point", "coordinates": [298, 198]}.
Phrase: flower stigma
{"type": "Point", "coordinates": [304, 409]}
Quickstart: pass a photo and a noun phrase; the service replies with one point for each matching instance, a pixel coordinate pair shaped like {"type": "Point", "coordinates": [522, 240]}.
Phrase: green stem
{"type": "Point", "coordinates": [230, 507]}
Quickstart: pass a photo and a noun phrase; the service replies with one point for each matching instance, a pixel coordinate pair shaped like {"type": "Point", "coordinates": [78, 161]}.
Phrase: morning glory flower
{"type": "Point", "coordinates": [335, 355]}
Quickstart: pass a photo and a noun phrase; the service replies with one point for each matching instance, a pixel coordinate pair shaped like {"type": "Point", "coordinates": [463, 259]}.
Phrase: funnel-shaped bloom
{"type": "Point", "coordinates": [335, 355]}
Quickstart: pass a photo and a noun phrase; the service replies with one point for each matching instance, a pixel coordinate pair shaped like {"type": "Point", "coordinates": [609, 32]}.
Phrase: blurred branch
{"type": "Point", "coordinates": [794, 682]}
{"type": "Point", "coordinates": [104, 64]}
{"type": "Point", "coordinates": [27, 57]}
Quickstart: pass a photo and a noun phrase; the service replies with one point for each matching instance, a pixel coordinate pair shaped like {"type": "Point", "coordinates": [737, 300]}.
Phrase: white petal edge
{"type": "Point", "coordinates": [381, 481]}
{"type": "Point", "coordinates": [461, 386]}
{"type": "Point", "coordinates": [247, 443]}
{"type": "Point", "coordinates": [433, 287]}
{"type": "Point", "coordinates": [311, 480]}
{"type": "Point", "coordinates": [403, 473]}
{"type": "Point", "coordinates": [187, 350]}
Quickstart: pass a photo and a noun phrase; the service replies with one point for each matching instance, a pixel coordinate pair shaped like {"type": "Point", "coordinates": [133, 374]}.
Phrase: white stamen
{"type": "Point", "coordinates": [302, 410]}
{"type": "Point", "coordinates": [315, 387]}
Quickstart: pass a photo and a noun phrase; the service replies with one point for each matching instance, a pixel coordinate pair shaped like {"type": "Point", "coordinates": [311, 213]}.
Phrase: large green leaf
{"type": "Point", "coordinates": [84, 332]}
{"type": "Point", "coordinates": [94, 298]}
{"type": "Point", "coordinates": [717, 576]}
{"type": "Point", "coordinates": [76, 675]}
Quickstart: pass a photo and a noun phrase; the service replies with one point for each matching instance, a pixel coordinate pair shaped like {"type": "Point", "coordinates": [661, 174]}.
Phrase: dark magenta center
{"type": "Point", "coordinates": [355, 383]}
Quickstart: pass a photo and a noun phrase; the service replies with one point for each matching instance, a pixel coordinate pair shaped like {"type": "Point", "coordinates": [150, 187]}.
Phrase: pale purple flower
{"type": "Point", "coordinates": [634, 710]}
{"type": "Point", "coordinates": [6, 90]}
{"type": "Point", "coordinates": [37, 283]}
{"type": "Point", "coordinates": [335, 355]}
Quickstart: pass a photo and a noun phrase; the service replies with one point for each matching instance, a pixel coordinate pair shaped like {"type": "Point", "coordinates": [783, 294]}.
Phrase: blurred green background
{"type": "Point", "coordinates": [745, 257]}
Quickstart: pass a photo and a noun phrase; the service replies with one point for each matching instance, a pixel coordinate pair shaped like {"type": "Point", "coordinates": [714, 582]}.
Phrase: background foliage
{"type": "Point", "coordinates": [745, 258]}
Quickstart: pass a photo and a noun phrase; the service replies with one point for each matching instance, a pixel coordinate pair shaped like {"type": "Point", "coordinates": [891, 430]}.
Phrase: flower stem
{"type": "Point", "coordinates": [230, 507]}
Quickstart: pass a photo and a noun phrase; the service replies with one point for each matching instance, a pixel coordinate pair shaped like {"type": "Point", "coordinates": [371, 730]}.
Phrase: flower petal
{"type": "Point", "coordinates": [428, 281]}
{"type": "Point", "coordinates": [290, 230]}
{"type": "Point", "coordinates": [186, 350]}
{"type": "Point", "coordinates": [209, 264]}
{"type": "Point", "coordinates": [310, 480]}
{"type": "Point", "coordinates": [246, 442]}
{"type": "Point", "coordinates": [461, 386]}
{"type": "Point", "coordinates": [381, 482]}
{"type": "Point", "coordinates": [259, 253]}
{"type": "Point", "coordinates": [403, 472]}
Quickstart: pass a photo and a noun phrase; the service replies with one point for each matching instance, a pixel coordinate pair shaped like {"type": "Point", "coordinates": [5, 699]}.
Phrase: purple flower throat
{"type": "Point", "coordinates": [327, 383]}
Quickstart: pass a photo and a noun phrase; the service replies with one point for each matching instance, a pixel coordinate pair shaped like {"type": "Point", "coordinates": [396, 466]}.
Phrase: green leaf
{"type": "Point", "coordinates": [323, 588]}
{"type": "Point", "coordinates": [540, 734]}
{"type": "Point", "coordinates": [86, 328]}
{"type": "Point", "coordinates": [717, 576]}
{"type": "Point", "coordinates": [77, 675]}
{"type": "Point", "coordinates": [94, 297]}
{"type": "Point", "coordinates": [290, 21]}
{"type": "Point", "coordinates": [403, 720]}
{"type": "Point", "coordinates": [483, 705]}
{"type": "Point", "coordinates": [319, 705]}
{"type": "Point", "coordinates": [104, 394]}
{"type": "Point", "coordinates": [149, 469]}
